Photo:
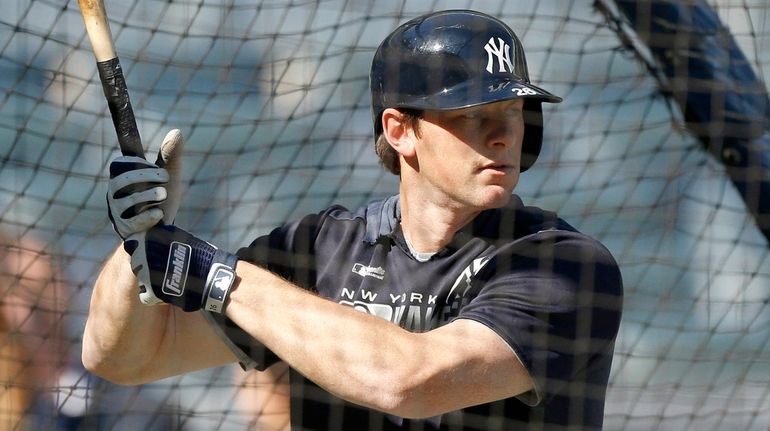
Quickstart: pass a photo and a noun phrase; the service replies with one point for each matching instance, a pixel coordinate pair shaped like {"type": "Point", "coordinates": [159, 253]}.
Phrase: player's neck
{"type": "Point", "coordinates": [428, 224]}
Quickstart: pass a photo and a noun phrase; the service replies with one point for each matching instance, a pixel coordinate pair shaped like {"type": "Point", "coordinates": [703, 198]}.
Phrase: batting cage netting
{"type": "Point", "coordinates": [272, 97]}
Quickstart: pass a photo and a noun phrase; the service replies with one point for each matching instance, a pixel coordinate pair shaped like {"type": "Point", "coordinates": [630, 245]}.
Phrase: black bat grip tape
{"type": "Point", "coordinates": [116, 92]}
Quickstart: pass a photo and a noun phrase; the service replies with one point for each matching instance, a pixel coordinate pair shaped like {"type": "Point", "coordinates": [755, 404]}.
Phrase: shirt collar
{"type": "Point", "coordinates": [382, 217]}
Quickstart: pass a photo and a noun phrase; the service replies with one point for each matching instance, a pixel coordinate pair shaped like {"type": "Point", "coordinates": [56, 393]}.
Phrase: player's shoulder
{"type": "Point", "coordinates": [583, 258]}
{"type": "Point", "coordinates": [567, 243]}
{"type": "Point", "coordinates": [580, 246]}
{"type": "Point", "coordinates": [530, 230]}
{"type": "Point", "coordinates": [516, 221]}
{"type": "Point", "coordinates": [329, 215]}
{"type": "Point", "coordinates": [374, 209]}
{"type": "Point", "coordinates": [377, 218]}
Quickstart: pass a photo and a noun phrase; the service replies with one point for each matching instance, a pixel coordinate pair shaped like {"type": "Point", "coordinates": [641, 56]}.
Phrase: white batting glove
{"type": "Point", "coordinates": [140, 193]}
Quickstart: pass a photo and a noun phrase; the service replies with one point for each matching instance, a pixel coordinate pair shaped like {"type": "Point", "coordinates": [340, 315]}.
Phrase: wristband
{"type": "Point", "coordinates": [218, 283]}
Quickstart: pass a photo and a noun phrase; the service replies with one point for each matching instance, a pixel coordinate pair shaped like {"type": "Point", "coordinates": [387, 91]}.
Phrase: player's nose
{"type": "Point", "coordinates": [502, 132]}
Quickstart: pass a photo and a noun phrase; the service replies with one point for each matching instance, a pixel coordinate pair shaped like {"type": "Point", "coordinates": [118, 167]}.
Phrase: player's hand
{"type": "Point", "coordinates": [134, 192]}
{"type": "Point", "coordinates": [141, 193]}
{"type": "Point", "coordinates": [175, 267]}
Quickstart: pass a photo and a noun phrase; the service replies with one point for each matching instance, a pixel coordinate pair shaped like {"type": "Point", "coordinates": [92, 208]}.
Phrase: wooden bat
{"type": "Point", "coordinates": [111, 76]}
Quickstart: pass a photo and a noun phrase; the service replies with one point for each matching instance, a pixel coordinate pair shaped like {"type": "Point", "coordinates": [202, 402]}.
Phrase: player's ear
{"type": "Point", "coordinates": [398, 132]}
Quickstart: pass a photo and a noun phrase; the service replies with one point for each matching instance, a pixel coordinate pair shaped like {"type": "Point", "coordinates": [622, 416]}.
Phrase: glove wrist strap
{"type": "Point", "coordinates": [221, 278]}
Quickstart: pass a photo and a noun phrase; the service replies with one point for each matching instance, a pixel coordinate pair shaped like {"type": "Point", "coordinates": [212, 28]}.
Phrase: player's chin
{"type": "Point", "coordinates": [495, 196]}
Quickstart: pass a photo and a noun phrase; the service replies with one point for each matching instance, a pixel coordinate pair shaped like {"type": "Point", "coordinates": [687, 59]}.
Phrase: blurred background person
{"type": "Point", "coordinates": [262, 398]}
{"type": "Point", "coordinates": [33, 342]}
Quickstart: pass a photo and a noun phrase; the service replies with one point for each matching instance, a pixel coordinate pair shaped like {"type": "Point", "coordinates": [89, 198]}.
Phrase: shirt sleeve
{"type": "Point", "coordinates": [288, 252]}
{"type": "Point", "coordinates": [556, 299]}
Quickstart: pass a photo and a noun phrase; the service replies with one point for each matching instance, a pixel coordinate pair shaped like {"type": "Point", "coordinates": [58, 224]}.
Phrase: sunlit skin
{"type": "Point", "coordinates": [457, 164]}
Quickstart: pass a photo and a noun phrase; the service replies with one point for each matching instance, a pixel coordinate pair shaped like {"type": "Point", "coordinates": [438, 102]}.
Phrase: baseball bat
{"type": "Point", "coordinates": [111, 76]}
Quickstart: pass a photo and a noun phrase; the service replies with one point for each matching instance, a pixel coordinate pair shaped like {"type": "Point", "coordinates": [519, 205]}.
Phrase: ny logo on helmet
{"type": "Point", "coordinates": [501, 51]}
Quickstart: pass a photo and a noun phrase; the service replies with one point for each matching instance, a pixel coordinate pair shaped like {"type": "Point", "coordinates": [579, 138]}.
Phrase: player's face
{"type": "Point", "coordinates": [473, 155]}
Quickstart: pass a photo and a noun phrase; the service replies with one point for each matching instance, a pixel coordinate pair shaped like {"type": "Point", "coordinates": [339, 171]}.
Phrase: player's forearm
{"type": "Point", "coordinates": [348, 353]}
{"type": "Point", "coordinates": [121, 334]}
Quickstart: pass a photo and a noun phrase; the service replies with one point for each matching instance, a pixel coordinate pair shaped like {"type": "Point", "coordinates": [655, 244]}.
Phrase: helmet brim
{"type": "Point", "coordinates": [471, 94]}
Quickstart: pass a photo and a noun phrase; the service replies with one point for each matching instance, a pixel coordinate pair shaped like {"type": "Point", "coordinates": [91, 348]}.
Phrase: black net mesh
{"type": "Point", "coordinates": [273, 100]}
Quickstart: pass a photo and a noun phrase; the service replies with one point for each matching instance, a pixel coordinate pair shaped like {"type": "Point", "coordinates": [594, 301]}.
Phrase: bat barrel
{"type": "Point", "coordinates": [98, 28]}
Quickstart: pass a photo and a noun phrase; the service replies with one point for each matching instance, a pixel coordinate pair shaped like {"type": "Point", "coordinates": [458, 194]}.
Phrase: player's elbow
{"type": "Point", "coordinates": [100, 363]}
{"type": "Point", "coordinates": [409, 403]}
{"type": "Point", "coordinates": [95, 364]}
{"type": "Point", "coordinates": [410, 384]}
{"type": "Point", "coordinates": [407, 396]}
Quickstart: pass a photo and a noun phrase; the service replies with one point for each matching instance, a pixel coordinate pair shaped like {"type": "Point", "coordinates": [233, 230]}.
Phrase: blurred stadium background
{"type": "Point", "coordinates": [272, 98]}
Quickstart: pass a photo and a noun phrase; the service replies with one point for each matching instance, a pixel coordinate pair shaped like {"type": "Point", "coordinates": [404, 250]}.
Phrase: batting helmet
{"type": "Point", "coordinates": [456, 59]}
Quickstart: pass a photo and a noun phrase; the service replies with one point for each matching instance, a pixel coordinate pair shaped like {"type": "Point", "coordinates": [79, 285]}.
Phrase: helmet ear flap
{"type": "Point", "coordinates": [532, 141]}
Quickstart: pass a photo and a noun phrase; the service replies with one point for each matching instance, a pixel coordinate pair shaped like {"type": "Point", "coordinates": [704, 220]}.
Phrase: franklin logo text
{"type": "Point", "coordinates": [176, 269]}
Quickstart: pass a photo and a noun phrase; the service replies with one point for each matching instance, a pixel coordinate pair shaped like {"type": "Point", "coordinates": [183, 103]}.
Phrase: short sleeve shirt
{"type": "Point", "coordinates": [553, 294]}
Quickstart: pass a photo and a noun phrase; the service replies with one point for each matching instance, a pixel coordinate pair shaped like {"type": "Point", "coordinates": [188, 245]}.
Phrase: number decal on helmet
{"type": "Point", "coordinates": [524, 91]}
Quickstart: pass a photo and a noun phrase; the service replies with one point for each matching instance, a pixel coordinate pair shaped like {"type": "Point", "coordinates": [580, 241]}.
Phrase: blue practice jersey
{"type": "Point", "coordinates": [553, 294]}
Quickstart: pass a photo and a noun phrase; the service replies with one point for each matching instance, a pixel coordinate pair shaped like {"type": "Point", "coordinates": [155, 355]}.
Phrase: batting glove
{"type": "Point", "coordinates": [175, 267]}
{"type": "Point", "coordinates": [140, 193]}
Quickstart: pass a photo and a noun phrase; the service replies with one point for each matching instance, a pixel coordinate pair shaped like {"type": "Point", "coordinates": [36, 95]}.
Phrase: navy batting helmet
{"type": "Point", "coordinates": [456, 59]}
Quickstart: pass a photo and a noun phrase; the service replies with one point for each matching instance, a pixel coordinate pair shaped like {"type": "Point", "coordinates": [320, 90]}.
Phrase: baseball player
{"type": "Point", "coordinates": [450, 305]}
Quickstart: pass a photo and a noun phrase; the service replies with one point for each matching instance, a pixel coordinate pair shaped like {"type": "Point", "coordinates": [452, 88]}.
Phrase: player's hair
{"type": "Point", "coordinates": [388, 156]}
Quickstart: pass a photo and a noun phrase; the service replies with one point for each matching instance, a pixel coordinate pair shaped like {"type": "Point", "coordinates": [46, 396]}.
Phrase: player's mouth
{"type": "Point", "coordinates": [497, 169]}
